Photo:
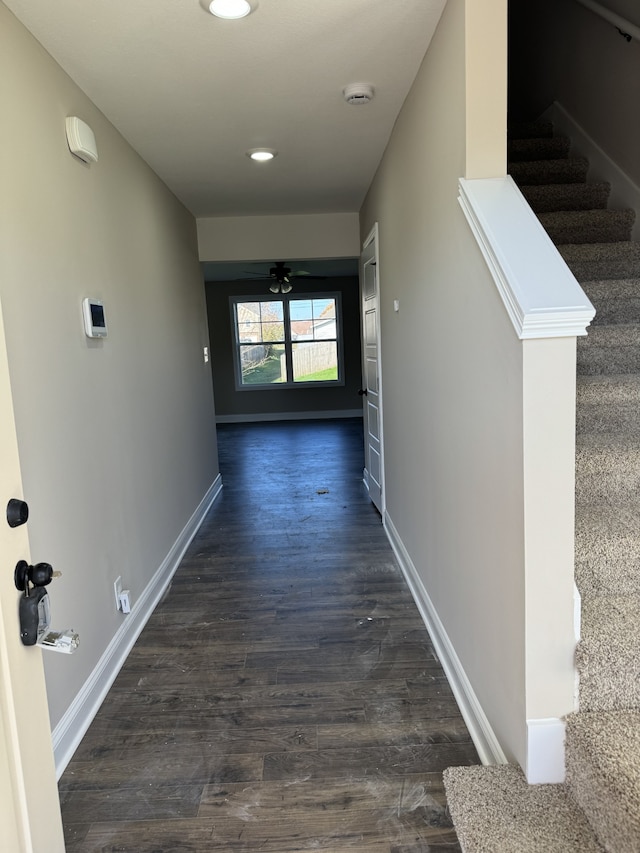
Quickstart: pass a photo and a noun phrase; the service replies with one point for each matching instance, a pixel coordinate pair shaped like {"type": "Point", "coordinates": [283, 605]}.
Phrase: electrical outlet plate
{"type": "Point", "coordinates": [117, 591]}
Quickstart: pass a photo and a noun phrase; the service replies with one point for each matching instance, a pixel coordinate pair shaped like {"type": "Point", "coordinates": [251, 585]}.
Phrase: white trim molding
{"type": "Point", "coordinates": [545, 751]}
{"type": "Point", "coordinates": [541, 295]}
{"type": "Point", "coordinates": [72, 727]}
{"type": "Point", "coordinates": [480, 729]}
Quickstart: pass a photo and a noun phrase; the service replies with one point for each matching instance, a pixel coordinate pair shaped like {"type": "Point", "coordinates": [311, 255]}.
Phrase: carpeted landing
{"type": "Point", "coordinates": [598, 808]}
{"type": "Point", "coordinates": [493, 809]}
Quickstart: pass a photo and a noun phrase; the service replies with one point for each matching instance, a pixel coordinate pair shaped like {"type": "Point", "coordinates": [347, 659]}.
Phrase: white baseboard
{"type": "Point", "coordinates": [288, 416]}
{"type": "Point", "coordinates": [482, 734]}
{"type": "Point", "coordinates": [72, 727]}
{"type": "Point", "coordinates": [545, 751]}
{"type": "Point", "coordinates": [624, 192]}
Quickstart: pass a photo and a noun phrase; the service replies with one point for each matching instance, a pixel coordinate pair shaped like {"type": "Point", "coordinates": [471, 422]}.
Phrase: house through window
{"type": "Point", "coordinates": [287, 340]}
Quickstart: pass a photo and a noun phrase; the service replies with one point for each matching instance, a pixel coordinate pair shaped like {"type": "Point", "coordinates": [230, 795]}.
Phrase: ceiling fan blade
{"type": "Point", "coordinates": [308, 277]}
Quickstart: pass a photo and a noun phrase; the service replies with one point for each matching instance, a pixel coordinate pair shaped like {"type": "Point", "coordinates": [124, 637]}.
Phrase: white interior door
{"type": "Point", "coordinates": [29, 806]}
{"type": "Point", "coordinates": [372, 387]}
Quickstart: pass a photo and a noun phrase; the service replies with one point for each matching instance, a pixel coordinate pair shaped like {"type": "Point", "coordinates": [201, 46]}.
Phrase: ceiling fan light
{"type": "Point", "coordinates": [286, 288]}
{"type": "Point", "coordinates": [275, 287]}
{"type": "Point", "coordinates": [230, 9]}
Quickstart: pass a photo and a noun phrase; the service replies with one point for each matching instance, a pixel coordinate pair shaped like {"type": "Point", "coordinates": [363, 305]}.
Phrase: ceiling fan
{"type": "Point", "coordinates": [282, 277]}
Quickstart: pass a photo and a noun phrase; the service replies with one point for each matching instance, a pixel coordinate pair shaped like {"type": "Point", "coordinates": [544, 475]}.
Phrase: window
{"type": "Point", "coordinates": [287, 340]}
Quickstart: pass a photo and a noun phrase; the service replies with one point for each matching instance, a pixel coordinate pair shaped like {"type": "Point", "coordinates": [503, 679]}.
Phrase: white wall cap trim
{"type": "Point", "coordinates": [541, 295]}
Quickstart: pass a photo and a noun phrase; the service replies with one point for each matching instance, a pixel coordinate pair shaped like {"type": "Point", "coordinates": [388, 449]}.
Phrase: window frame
{"type": "Point", "coordinates": [286, 299]}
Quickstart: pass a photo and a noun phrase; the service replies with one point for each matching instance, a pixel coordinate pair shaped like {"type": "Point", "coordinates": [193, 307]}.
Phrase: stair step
{"type": "Point", "coordinates": [608, 405]}
{"type": "Point", "coordinates": [607, 467]}
{"type": "Point", "coordinates": [591, 261]}
{"type": "Point", "coordinates": [495, 811]}
{"type": "Point", "coordinates": [607, 556]}
{"type": "Point", "coordinates": [588, 226]}
{"type": "Point", "coordinates": [607, 654]}
{"type": "Point", "coordinates": [615, 301]}
{"type": "Point", "coordinates": [609, 349]}
{"type": "Point", "coordinates": [603, 775]}
{"type": "Point", "coordinates": [538, 148]}
{"type": "Point", "coordinates": [529, 129]}
{"type": "Point", "coordinates": [544, 198]}
{"type": "Point", "coordinates": [607, 530]}
{"type": "Point", "coordinates": [565, 171]}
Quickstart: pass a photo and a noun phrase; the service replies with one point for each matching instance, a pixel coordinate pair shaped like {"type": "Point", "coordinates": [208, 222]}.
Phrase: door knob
{"type": "Point", "coordinates": [39, 575]}
{"type": "Point", "coordinates": [17, 512]}
{"type": "Point", "coordinates": [363, 392]}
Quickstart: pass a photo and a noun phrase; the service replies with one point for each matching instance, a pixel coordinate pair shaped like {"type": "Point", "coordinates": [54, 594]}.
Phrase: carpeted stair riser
{"type": "Point", "coordinates": [554, 148]}
{"type": "Point", "coordinates": [612, 349]}
{"type": "Point", "coordinates": [603, 778]}
{"type": "Point", "coordinates": [607, 556]}
{"type": "Point", "coordinates": [607, 540]}
{"type": "Point", "coordinates": [608, 390]}
{"type": "Point", "coordinates": [588, 226]}
{"type": "Point", "coordinates": [607, 468]}
{"type": "Point", "coordinates": [600, 261]}
{"type": "Point", "coordinates": [615, 301]}
{"type": "Point", "coordinates": [545, 198]}
{"type": "Point", "coordinates": [608, 405]}
{"type": "Point", "coordinates": [566, 171]}
{"type": "Point", "coordinates": [607, 654]}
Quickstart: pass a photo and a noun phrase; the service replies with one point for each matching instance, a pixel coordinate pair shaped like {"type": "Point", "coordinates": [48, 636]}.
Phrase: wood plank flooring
{"type": "Point", "coordinates": [285, 695]}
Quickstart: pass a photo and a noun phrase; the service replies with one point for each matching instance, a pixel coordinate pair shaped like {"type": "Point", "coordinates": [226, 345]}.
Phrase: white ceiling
{"type": "Point", "coordinates": [191, 93]}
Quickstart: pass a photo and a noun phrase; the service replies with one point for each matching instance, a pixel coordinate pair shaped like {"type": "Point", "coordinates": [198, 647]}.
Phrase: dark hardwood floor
{"type": "Point", "coordinates": [285, 695]}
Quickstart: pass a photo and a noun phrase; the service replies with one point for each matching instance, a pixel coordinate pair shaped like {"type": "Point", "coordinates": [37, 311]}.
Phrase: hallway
{"type": "Point", "coordinates": [285, 695]}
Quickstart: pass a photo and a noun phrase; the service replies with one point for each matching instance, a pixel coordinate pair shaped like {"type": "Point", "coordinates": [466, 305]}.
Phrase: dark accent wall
{"type": "Point", "coordinates": [229, 402]}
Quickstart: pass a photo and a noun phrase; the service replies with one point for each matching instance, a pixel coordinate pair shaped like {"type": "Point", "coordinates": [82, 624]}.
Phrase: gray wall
{"type": "Point", "coordinates": [230, 402]}
{"type": "Point", "coordinates": [116, 437]}
{"type": "Point", "coordinates": [452, 366]}
{"type": "Point", "coordinates": [560, 51]}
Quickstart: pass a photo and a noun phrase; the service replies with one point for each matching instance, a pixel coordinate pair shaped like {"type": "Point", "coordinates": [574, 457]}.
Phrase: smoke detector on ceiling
{"type": "Point", "coordinates": [358, 93]}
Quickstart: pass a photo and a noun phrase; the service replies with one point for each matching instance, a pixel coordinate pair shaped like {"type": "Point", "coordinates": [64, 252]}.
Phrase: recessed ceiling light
{"type": "Point", "coordinates": [261, 154]}
{"type": "Point", "coordinates": [229, 8]}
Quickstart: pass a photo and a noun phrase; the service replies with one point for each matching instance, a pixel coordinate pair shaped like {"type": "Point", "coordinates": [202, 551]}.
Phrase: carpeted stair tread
{"type": "Point", "coordinates": [588, 226]}
{"type": "Point", "coordinates": [591, 261]}
{"type": "Point", "coordinates": [544, 198]}
{"type": "Point", "coordinates": [607, 654]}
{"type": "Point", "coordinates": [615, 300]}
{"type": "Point", "coordinates": [607, 468]}
{"type": "Point", "coordinates": [603, 775]}
{"type": "Point", "coordinates": [495, 811]}
{"type": "Point", "coordinates": [608, 404]}
{"type": "Point", "coordinates": [622, 388]}
{"type": "Point", "coordinates": [607, 548]}
{"type": "Point", "coordinates": [612, 348]}
{"type": "Point", "coordinates": [538, 148]}
{"type": "Point", "coordinates": [530, 129]}
{"type": "Point", "coordinates": [570, 170]}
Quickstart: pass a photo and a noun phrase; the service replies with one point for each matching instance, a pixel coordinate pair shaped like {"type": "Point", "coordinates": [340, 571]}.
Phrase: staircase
{"type": "Point", "coordinates": [598, 808]}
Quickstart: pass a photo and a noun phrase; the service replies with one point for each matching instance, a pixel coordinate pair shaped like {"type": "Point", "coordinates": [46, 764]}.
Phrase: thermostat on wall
{"type": "Point", "coordinates": [95, 323]}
